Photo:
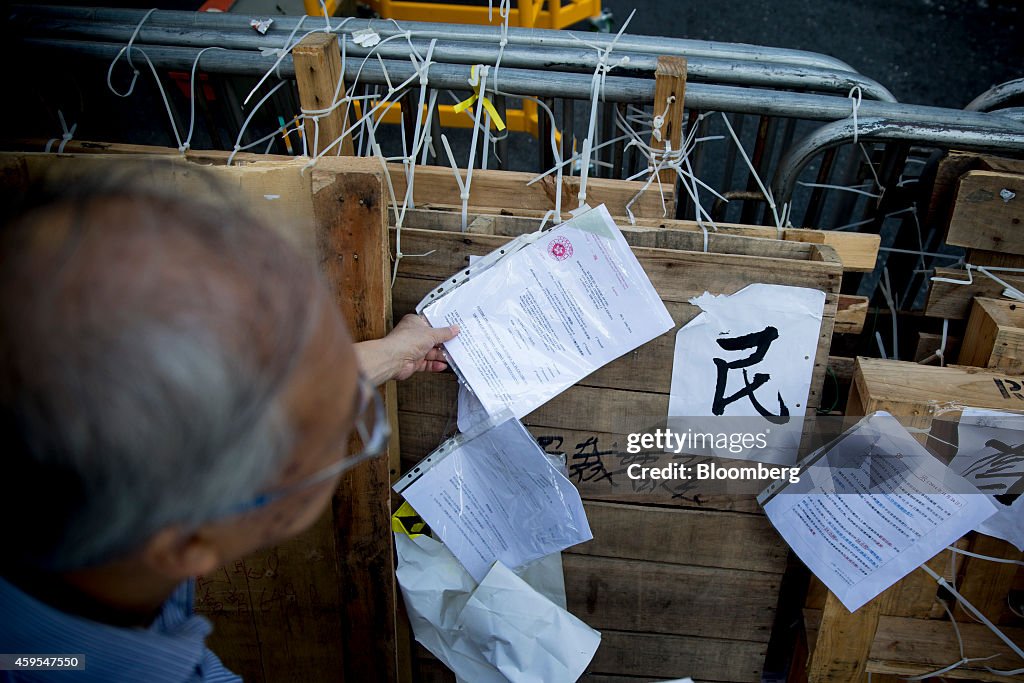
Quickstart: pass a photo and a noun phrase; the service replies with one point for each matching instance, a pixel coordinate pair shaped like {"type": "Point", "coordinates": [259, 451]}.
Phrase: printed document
{"type": "Point", "coordinates": [548, 315]}
{"type": "Point", "coordinates": [871, 507]}
{"type": "Point", "coordinates": [494, 495]}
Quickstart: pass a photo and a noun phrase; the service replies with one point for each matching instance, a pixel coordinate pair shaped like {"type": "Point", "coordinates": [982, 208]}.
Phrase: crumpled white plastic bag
{"type": "Point", "coordinates": [461, 625]}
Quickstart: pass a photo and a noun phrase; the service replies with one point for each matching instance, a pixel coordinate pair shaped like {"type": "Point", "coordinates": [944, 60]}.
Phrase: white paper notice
{"type": "Point", "coordinates": [750, 354]}
{"type": "Point", "coordinates": [436, 588]}
{"type": "Point", "coordinates": [496, 496]}
{"type": "Point", "coordinates": [991, 456]}
{"type": "Point", "coordinates": [548, 315]}
{"type": "Point", "coordinates": [526, 636]}
{"type": "Point", "coordinates": [871, 507]}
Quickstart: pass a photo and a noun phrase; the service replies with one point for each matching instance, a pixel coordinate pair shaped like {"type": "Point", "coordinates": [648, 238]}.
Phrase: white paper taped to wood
{"type": "Point", "coordinates": [493, 494]}
{"type": "Point", "coordinates": [436, 589]}
{"type": "Point", "coordinates": [990, 455]}
{"type": "Point", "coordinates": [543, 318]}
{"type": "Point", "coordinates": [871, 507]}
{"type": "Point", "coordinates": [749, 355]}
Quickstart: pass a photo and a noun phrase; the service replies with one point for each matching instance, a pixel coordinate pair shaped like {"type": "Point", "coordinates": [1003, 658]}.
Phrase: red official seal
{"type": "Point", "coordinates": [560, 248]}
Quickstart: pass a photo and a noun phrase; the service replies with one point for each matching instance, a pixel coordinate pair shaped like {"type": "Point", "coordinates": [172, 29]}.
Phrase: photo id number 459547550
{"type": "Point", "coordinates": [42, 662]}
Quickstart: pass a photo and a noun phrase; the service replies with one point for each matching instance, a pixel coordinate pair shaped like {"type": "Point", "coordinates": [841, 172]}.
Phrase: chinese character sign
{"type": "Point", "coordinates": [750, 354]}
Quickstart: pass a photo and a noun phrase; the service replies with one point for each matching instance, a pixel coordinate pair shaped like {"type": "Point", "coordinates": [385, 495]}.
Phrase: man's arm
{"type": "Point", "coordinates": [412, 346]}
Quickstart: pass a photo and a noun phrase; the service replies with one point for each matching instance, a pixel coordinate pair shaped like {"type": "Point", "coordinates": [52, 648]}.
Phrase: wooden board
{"type": "Point", "coordinates": [995, 335]}
{"type": "Point", "coordinates": [851, 312]}
{"type": "Point", "coordinates": [904, 388]}
{"type": "Point", "coordinates": [953, 301]}
{"type": "Point", "coordinates": [988, 212]}
{"type": "Point", "coordinates": [856, 251]}
{"type": "Point", "coordinates": [504, 190]}
{"type": "Point", "coordinates": [928, 343]}
{"type": "Point", "coordinates": [907, 647]}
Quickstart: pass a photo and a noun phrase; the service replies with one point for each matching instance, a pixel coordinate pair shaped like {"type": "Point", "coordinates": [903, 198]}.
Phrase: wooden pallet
{"type": "Point", "coordinates": [902, 631]}
{"type": "Point", "coordinates": [677, 582]}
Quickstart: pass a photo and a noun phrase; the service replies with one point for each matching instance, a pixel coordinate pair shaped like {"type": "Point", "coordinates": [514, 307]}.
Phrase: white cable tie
{"type": "Point", "coordinates": [855, 104]}
{"type": "Point", "coordinates": [846, 188]}
{"type": "Point", "coordinates": [127, 52]}
{"type": "Point", "coordinates": [1001, 560]}
{"type": "Point", "coordinates": [881, 346]}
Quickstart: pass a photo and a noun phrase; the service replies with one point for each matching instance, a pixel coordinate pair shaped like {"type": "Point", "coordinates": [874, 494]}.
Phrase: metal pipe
{"type": "Point", "coordinates": [885, 130]}
{"type": "Point", "coordinates": [703, 96]}
{"type": "Point", "coordinates": [490, 34]}
{"type": "Point", "coordinates": [572, 59]}
{"type": "Point", "coordinates": [997, 95]}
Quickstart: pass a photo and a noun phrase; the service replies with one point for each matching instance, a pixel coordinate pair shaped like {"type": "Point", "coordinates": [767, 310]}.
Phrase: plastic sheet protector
{"type": "Point", "coordinates": [492, 494]}
{"type": "Point", "coordinates": [545, 311]}
{"type": "Point", "coordinates": [990, 455]}
{"type": "Point", "coordinates": [871, 507]}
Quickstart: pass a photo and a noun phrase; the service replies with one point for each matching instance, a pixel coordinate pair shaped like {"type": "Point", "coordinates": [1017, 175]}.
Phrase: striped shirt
{"type": "Point", "coordinates": [171, 650]}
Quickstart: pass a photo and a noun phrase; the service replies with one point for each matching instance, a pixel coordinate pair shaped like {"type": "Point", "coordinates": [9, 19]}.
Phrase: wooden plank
{"type": "Point", "coordinates": [856, 251]}
{"type": "Point", "coordinates": [505, 191]}
{"type": "Point", "coordinates": [319, 78]}
{"type": "Point", "coordinates": [669, 94]}
{"type": "Point", "coordinates": [596, 460]}
{"type": "Point", "coordinates": [662, 656]}
{"type": "Point", "coordinates": [907, 647]}
{"type": "Point", "coordinates": [987, 584]}
{"type": "Point", "coordinates": [928, 343]}
{"type": "Point", "coordinates": [842, 641]}
{"type": "Point", "coordinates": [905, 388]}
{"type": "Point", "coordinates": [995, 335]}
{"type": "Point", "coordinates": [980, 257]}
{"type": "Point", "coordinates": [717, 603]}
{"type": "Point", "coordinates": [353, 250]}
{"type": "Point", "coordinates": [509, 191]}
{"type": "Point", "coordinates": [985, 215]}
{"type": "Point", "coordinates": [851, 312]}
{"type": "Point", "coordinates": [692, 537]}
{"type": "Point", "coordinates": [953, 301]}
{"type": "Point", "coordinates": [295, 583]}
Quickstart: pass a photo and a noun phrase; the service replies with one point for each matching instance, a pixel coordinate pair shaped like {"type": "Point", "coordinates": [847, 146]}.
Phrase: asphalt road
{"type": "Point", "coordinates": [936, 52]}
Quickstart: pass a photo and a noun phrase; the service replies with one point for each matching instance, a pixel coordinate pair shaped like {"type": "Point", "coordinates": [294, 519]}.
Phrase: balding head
{"type": "Point", "coordinates": [147, 344]}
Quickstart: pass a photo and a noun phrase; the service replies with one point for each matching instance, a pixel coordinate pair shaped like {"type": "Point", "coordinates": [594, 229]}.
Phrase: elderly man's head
{"type": "Point", "coordinates": [163, 362]}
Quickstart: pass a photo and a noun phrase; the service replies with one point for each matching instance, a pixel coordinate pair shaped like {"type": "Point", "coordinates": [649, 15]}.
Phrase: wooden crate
{"type": "Point", "coordinates": [902, 631]}
{"type": "Point", "coordinates": [321, 606]}
{"type": "Point", "coordinates": [995, 335]}
{"type": "Point", "coordinates": [988, 211]}
{"type": "Point", "coordinates": [678, 583]}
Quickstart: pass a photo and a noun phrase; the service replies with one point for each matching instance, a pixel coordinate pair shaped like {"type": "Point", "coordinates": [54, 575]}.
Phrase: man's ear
{"type": "Point", "coordinates": [178, 554]}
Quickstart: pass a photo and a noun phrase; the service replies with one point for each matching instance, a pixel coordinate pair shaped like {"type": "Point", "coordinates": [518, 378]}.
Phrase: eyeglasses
{"type": "Point", "coordinates": [374, 431]}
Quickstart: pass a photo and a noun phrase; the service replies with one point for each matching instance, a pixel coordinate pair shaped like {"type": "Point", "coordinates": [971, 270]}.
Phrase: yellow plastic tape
{"type": "Point", "coordinates": [407, 521]}
{"type": "Point", "coordinates": [488, 107]}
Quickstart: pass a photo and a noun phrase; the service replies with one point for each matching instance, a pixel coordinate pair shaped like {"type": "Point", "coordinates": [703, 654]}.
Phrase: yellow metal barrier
{"type": "Point", "coordinates": [554, 14]}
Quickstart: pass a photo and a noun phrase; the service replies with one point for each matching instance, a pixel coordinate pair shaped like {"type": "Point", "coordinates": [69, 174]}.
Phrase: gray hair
{"type": "Point", "coordinates": [145, 341]}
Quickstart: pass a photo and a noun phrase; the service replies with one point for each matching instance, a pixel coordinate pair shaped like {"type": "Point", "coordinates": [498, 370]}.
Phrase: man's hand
{"type": "Point", "coordinates": [412, 346]}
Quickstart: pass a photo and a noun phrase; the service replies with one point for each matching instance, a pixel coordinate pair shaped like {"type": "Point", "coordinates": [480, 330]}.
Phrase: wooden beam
{"type": "Point", "coordinates": [856, 250]}
{"type": "Point", "coordinates": [669, 94]}
{"type": "Point", "coordinates": [988, 212]}
{"type": "Point", "coordinates": [851, 313]}
{"type": "Point", "coordinates": [318, 75]}
{"type": "Point", "coordinates": [908, 647]}
{"type": "Point", "coordinates": [995, 335]}
{"type": "Point", "coordinates": [953, 301]}
{"type": "Point", "coordinates": [352, 246]}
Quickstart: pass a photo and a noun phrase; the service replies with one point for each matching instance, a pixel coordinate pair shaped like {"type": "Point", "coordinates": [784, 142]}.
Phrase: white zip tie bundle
{"type": "Point", "coordinates": [940, 353]}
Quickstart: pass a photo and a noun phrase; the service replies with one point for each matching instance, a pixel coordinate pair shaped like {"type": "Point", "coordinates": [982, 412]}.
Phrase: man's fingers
{"type": "Point", "coordinates": [435, 354]}
{"type": "Point", "coordinates": [443, 334]}
{"type": "Point", "coordinates": [437, 366]}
